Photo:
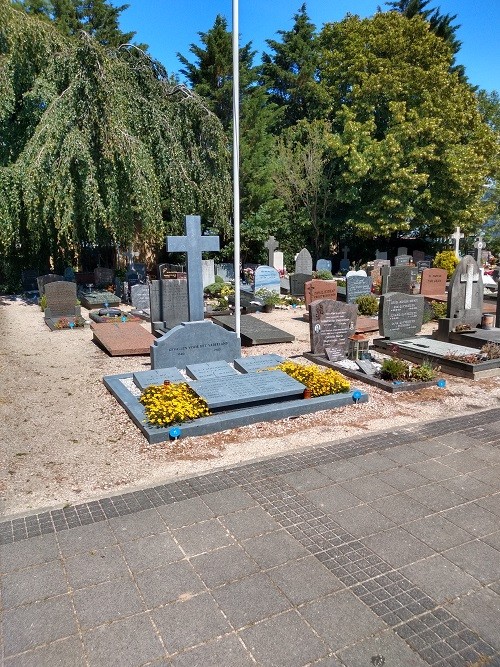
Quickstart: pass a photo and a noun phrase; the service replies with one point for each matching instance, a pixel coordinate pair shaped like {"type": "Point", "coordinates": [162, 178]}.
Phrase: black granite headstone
{"type": "Point", "coordinates": [400, 315]}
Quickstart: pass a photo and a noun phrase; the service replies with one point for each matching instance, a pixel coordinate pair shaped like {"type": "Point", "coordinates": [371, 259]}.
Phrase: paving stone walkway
{"type": "Point", "coordinates": [382, 550]}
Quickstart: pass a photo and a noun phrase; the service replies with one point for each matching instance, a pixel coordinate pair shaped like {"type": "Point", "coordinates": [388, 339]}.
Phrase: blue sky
{"type": "Point", "coordinates": [170, 26]}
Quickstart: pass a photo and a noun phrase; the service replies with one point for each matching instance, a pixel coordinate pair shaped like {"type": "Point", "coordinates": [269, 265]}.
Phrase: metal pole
{"type": "Point", "coordinates": [236, 166]}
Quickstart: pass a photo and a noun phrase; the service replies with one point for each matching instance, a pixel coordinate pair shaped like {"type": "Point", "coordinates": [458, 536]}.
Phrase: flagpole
{"type": "Point", "coordinates": [236, 166]}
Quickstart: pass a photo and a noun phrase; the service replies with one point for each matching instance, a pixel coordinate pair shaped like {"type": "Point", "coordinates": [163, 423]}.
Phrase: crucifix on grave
{"type": "Point", "coordinates": [469, 278]}
{"type": "Point", "coordinates": [456, 239]}
{"type": "Point", "coordinates": [271, 244]}
{"type": "Point", "coordinates": [479, 245]}
{"type": "Point", "coordinates": [345, 250]}
{"type": "Point", "coordinates": [193, 244]}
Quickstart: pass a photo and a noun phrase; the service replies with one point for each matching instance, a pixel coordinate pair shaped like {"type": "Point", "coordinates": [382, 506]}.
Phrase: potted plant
{"type": "Point", "coordinates": [269, 297]}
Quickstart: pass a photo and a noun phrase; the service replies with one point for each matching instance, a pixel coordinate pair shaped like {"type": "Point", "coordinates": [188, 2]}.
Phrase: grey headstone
{"type": "Point", "coordinates": [423, 264]}
{"type": "Point", "coordinates": [254, 331]}
{"type": "Point", "coordinates": [279, 260]}
{"type": "Point", "coordinates": [257, 363]}
{"type": "Point", "coordinates": [210, 370]}
{"type": "Point", "coordinates": [357, 286]}
{"type": "Point", "coordinates": [193, 244]}
{"type": "Point", "coordinates": [379, 262]}
{"type": "Point", "coordinates": [144, 379]}
{"type": "Point", "coordinates": [433, 281]}
{"type": "Point", "coordinates": [304, 263]}
{"type": "Point", "coordinates": [225, 271]}
{"type": "Point", "coordinates": [400, 315]}
{"type": "Point", "coordinates": [272, 245]}
{"type": "Point", "coordinates": [380, 255]}
{"type": "Point", "coordinates": [194, 343]}
{"type": "Point", "coordinates": [402, 260]}
{"type": "Point", "coordinates": [207, 272]}
{"type": "Point", "coordinates": [249, 302]}
{"type": "Point", "coordinates": [103, 276]}
{"type": "Point", "coordinates": [139, 295]}
{"type": "Point", "coordinates": [45, 280]}
{"type": "Point", "coordinates": [298, 282]}
{"type": "Point", "coordinates": [398, 279]}
{"type": "Point", "coordinates": [418, 256]}
{"type": "Point", "coordinates": [168, 303]}
{"type": "Point", "coordinates": [465, 294]}
{"type": "Point", "coordinates": [324, 265]}
{"type": "Point", "coordinates": [248, 389]}
{"type": "Point", "coordinates": [268, 278]}
{"type": "Point", "coordinates": [61, 300]}
{"type": "Point", "coordinates": [330, 325]}
{"type": "Point", "coordinates": [402, 250]}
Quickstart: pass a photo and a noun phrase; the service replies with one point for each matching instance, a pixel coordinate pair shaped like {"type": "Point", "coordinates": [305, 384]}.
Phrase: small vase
{"type": "Point", "coordinates": [267, 308]}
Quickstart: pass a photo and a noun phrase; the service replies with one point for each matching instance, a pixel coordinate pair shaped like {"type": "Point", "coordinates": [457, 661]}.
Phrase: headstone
{"type": "Point", "coordinates": [402, 251]}
{"type": "Point", "coordinates": [268, 278]}
{"type": "Point", "coordinates": [379, 262]}
{"type": "Point", "coordinates": [465, 294]}
{"type": "Point", "coordinates": [194, 343]}
{"type": "Point", "coordinates": [61, 300]}
{"type": "Point", "coordinates": [423, 264]}
{"type": "Point", "coordinates": [455, 237]}
{"type": "Point", "coordinates": [366, 366]}
{"type": "Point", "coordinates": [279, 260]}
{"type": "Point", "coordinates": [193, 244]}
{"type": "Point", "coordinates": [257, 363]}
{"type": "Point", "coordinates": [361, 272]}
{"type": "Point", "coordinates": [298, 282]}
{"type": "Point", "coordinates": [400, 315]}
{"type": "Point", "coordinates": [398, 279]}
{"type": "Point", "coordinates": [28, 280]}
{"type": "Point", "coordinates": [69, 274]}
{"type": "Point", "coordinates": [433, 281]}
{"type": "Point", "coordinates": [320, 289]}
{"type": "Point", "coordinates": [330, 325]}
{"type": "Point", "coordinates": [45, 280]}
{"type": "Point", "coordinates": [225, 271]}
{"type": "Point", "coordinates": [120, 339]}
{"type": "Point", "coordinates": [324, 265]}
{"type": "Point", "coordinates": [272, 245]}
{"type": "Point", "coordinates": [478, 246]}
{"type": "Point", "coordinates": [210, 370]}
{"type": "Point", "coordinates": [418, 256]}
{"type": "Point", "coordinates": [254, 331]}
{"type": "Point", "coordinates": [402, 260]}
{"type": "Point", "coordinates": [345, 262]}
{"type": "Point", "coordinates": [380, 255]}
{"type": "Point", "coordinates": [139, 295]}
{"type": "Point", "coordinates": [249, 302]}
{"type": "Point", "coordinates": [98, 299]}
{"type": "Point", "coordinates": [168, 303]}
{"type": "Point", "coordinates": [167, 271]}
{"type": "Point", "coordinates": [103, 277]}
{"type": "Point", "coordinates": [357, 286]}
{"type": "Point", "coordinates": [207, 272]}
{"type": "Point", "coordinates": [303, 262]}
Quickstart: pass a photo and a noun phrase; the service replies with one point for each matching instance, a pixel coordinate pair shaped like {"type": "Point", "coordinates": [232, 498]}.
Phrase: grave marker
{"type": "Point", "coordinates": [330, 325]}
{"type": "Point", "coordinates": [433, 282]}
{"type": "Point", "coordinates": [28, 280]}
{"type": "Point", "coordinates": [402, 251]}
{"type": "Point", "coordinates": [304, 263]}
{"type": "Point", "coordinates": [225, 271]}
{"type": "Point", "coordinates": [316, 289]}
{"type": "Point", "coordinates": [103, 277]}
{"type": "Point", "coordinates": [398, 279]}
{"type": "Point", "coordinates": [279, 260]}
{"type": "Point", "coordinates": [254, 331]}
{"type": "Point", "coordinates": [455, 237]}
{"type": "Point", "coordinates": [345, 262]}
{"type": "Point", "coordinates": [298, 282]}
{"type": "Point", "coordinates": [402, 260]}
{"type": "Point", "coordinates": [210, 370]}
{"type": "Point", "coordinates": [45, 280]}
{"type": "Point", "coordinates": [418, 256]}
{"type": "Point", "coordinates": [324, 265]}
{"type": "Point", "coordinates": [139, 295]}
{"type": "Point", "coordinates": [168, 302]}
{"type": "Point", "coordinates": [272, 245]}
{"type": "Point", "coordinates": [268, 278]}
{"type": "Point", "coordinates": [61, 302]}
{"type": "Point", "coordinates": [121, 339]}
{"type": "Point", "coordinates": [400, 315]}
{"type": "Point", "coordinates": [357, 285]}
{"type": "Point", "coordinates": [254, 364]}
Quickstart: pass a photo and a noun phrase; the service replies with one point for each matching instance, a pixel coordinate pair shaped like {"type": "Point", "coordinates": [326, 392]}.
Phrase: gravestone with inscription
{"type": "Point", "coordinates": [402, 260]}
{"type": "Point", "coordinates": [380, 255]}
{"type": "Point", "coordinates": [423, 264]}
{"type": "Point", "coordinates": [324, 265]}
{"type": "Point", "coordinates": [357, 286]}
{"type": "Point", "coordinates": [61, 303]}
{"type": "Point", "coordinates": [398, 279]}
{"type": "Point", "coordinates": [402, 250]}
{"type": "Point", "coordinates": [194, 343]}
{"type": "Point", "coordinates": [303, 262]}
{"type": "Point", "coordinates": [168, 303]}
{"type": "Point", "coordinates": [254, 364]}
{"type": "Point", "coordinates": [103, 277]}
{"type": "Point", "coordinates": [345, 262]}
{"type": "Point", "coordinates": [207, 272]}
{"type": "Point", "coordinates": [139, 295]}
{"type": "Point", "coordinates": [211, 370]}
{"type": "Point", "coordinates": [330, 325]}
{"type": "Point", "coordinates": [400, 315]}
{"type": "Point", "coordinates": [320, 289]}
{"type": "Point", "coordinates": [433, 282]}
{"type": "Point", "coordinates": [266, 278]}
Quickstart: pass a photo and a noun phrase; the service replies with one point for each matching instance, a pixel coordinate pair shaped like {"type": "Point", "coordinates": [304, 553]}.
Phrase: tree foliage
{"type": "Point", "coordinates": [96, 147]}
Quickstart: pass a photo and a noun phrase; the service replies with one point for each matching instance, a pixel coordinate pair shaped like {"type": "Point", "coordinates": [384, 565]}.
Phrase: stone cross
{"type": "Point", "coordinates": [456, 238]}
{"type": "Point", "coordinates": [345, 250]}
{"type": "Point", "coordinates": [479, 245]}
{"type": "Point", "coordinates": [193, 244]}
{"type": "Point", "coordinates": [469, 279]}
{"type": "Point", "coordinates": [271, 244]}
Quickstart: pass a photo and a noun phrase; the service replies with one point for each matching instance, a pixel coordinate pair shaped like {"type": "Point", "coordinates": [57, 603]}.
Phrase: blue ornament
{"type": "Point", "coordinates": [441, 384]}
{"type": "Point", "coordinates": [174, 432]}
{"type": "Point", "coordinates": [124, 318]}
{"type": "Point", "coordinates": [106, 304]}
{"type": "Point", "coordinates": [71, 325]}
{"type": "Point", "coordinates": [356, 395]}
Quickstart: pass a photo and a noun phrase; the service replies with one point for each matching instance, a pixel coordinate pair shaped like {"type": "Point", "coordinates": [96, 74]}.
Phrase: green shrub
{"type": "Point", "coordinates": [424, 373]}
{"type": "Point", "coordinates": [215, 288]}
{"type": "Point", "coordinates": [323, 274]}
{"type": "Point", "coordinates": [439, 309]}
{"type": "Point", "coordinates": [43, 302]}
{"type": "Point", "coordinates": [367, 304]}
{"type": "Point", "coordinates": [446, 260]}
{"type": "Point", "coordinates": [395, 369]}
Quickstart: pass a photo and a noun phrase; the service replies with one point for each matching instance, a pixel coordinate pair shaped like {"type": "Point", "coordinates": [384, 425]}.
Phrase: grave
{"type": "Point", "coordinates": [121, 339]}
{"type": "Point", "coordinates": [61, 303]}
{"type": "Point", "coordinates": [210, 371]}
{"type": "Point", "coordinates": [254, 331]}
{"type": "Point", "coordinates": [423, 264]}
{"type": "Point", "coordinates": [298, 283]}
{"type": "Point", "coordinates": [402, 250]}
{"type": "Point", "coordinates": [330, 325]}
{"type": "Point", "coordinates": [320, 289]}
{"type": "Point", "coordinates": [225, 271]}
{"type": "Point", "coordinates": [403, 260]}
{"type": "Point", "coordinates": [418, 256]}
{"type": "Point", "coordinates": [103, 315]}
{"type": "Point", "coordinates": [478, 248]}
{"type": "Point", "coordinates": [41, 281]}
{"type": "Point", "coordinates": [324, 265]}
{"type": "Point", "coordinates": [455, 237]}
{"type": "Point", "coordinates": [465, 299]}
{"type": "Point", "coordinates": [272, 245]}
{"type": "Point", "coordinates": [381, 255]}
{"type": "Point", "coordinates": [357, 285]}
{"type": "Point", "coordinates": [69, 274]}
{"type": "Point", "coordinates": [266, 278]}
{"type": "Point", "coordinates": [433, 282]}
{"type": "Point", "coordinates": [279, 260]}
{"type": "Point", "coordinates": [345, 262]}
{"type": "Point", "coordinates": [103, 277]}
{"type": "Point", "coordinates": [144, 379]}
{"type": "Point", "coordinates": [207, 271]}
{"type": "Point", "coordinates": [400, 315]}
{"type": "Point", "coordinates": [29, 280]}
{"type": "Point", "coordinates": [168, 303]}
{"type": "Point", "coordinates": [398, 279]}
{"type": "Point", "coordinates": [254, 364]}
{"type": "Point", "coordinates": [475, 338]}
{"type": "Point", "coordinates": [303, 262]}
{"type": "Point", "coordinates": [139, 296]}
{"type": "Point", "coordinates": [249, 302]}
{"type": "Point", "coordinates": [98, 299]}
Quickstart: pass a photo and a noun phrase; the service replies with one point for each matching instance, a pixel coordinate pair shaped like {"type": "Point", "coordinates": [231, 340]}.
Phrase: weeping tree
{"type": "Point", "coordinates": [98, 147]}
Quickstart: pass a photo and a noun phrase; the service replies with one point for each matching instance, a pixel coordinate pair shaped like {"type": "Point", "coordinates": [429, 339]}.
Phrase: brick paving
{"type": "Point", "coordinates": [378, 550]}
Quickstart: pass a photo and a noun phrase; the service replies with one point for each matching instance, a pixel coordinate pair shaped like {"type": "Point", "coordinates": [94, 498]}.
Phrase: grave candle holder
{"type": "Point", "coordinates": [358, 347]}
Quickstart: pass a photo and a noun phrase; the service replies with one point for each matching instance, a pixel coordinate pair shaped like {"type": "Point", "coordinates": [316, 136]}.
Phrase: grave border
{"type": "Point", "coordinates": [222, 421]}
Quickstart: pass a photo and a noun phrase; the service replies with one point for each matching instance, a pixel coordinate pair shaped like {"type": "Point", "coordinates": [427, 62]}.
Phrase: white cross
{"type": "Point", "coordinates": [479, 244]}
{"type": "Point", "coordinates": [456, 238]}
{"type": "Point", "coordinates": [469, 278]}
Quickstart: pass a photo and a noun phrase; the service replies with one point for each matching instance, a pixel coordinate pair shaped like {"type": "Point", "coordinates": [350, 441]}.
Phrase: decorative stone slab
{"type": "Point", "coordinates": [257, 363]}
{"type": "Point", "coordinates": [433, 281]}
{"type": "Point", "coordinates": [194, 343]}
{"type": "Point", "coordinates": [245, 390]}
{"type": "Point", "coordinates": [400, 315]}
{"type": "Point", "coordinates": [211, 370]}
{"type": "Point", "coordinates": [320, 289]}
{"type": "Point", "coordinates": [144, 379]}
{"type": "Point", "coordinates": [330, 325]}
{"type": "Point", "coordinates": [91, 300]}
{"type": "Point", "coordinates": [120, 339]}
{"type": "Point", "coordinates": [422, 348]}
{"type": "Point", "coordinates": [357, 286]}
{"type": "Point", "coordinates": [254, 331]}
{"type": "Point", "coordinates": [117, 385]}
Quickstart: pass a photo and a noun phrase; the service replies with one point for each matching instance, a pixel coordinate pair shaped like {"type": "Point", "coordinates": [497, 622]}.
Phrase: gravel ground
{"type": "Point", "coordinates": [66, 440]}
